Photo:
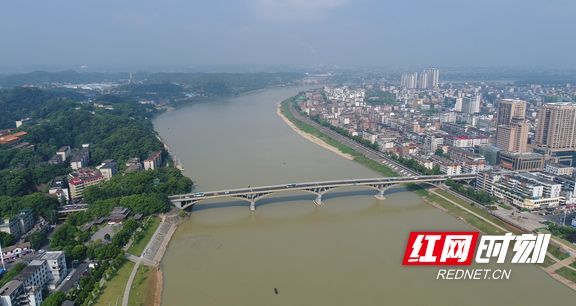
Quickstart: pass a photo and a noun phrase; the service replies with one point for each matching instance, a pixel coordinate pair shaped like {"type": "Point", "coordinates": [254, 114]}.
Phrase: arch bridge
{"type": "Point", "coordinates": [253, 194]}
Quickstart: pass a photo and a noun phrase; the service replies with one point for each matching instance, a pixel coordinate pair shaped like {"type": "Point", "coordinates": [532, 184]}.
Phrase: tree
{"type": "Point", "coordinates": [37, 239]}
{"type": "Point", "coordinates": [54, 299]}
{"type": "Point", "coordinates": [78, 252]}
{"type": "Point", "coordinates": [439, 152]}
{"type": "Point", "coordinates": [6, 239]}
{"type": "Point", "coordinates": [107, 237]}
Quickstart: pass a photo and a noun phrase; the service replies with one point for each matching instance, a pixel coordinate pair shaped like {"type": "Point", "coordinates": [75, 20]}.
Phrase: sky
{"type": "Point", "coordinates": [367, 33]}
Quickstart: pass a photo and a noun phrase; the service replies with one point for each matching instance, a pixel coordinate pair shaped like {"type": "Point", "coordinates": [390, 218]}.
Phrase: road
{"type": "Point", "coordinates": [327, 184]}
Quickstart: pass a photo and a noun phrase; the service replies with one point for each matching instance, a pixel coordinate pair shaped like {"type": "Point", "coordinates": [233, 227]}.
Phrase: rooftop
{"type": "Point", "coordinates": [53, 255]}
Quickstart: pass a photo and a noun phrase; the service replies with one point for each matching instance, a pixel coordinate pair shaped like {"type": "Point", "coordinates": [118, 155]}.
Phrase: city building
{"type": "Point", "coordinates": [133, 165]}
{"type": "Point", "coordinates": [56, 261]}
{"type": "Point", "coordinates": [557, 126]}
{"type": "Point", "coordinates": [13, 294]}
{"type": "Point", "coordinates": [513, 137]}
{"type": "Point", "coordinates": [521, 161]}
{"type": "Point", "coordinates": [512, 129]}
{"type": "Point", "coordinates": [465, 141]}
{"type": "Point", "coordinates": [16, 251]}
{"type": "Point", "coordinates": [59, 189]}
{"type": "Point", "coordinates": [447, 166]}
{"type": "Point", "coordinates": [34, 278]}
{"type": "Point", "coordinates": [12, 139]}
{"type": "Point", "coordinates": [524, 190]}
{"type": "Point", "coordinates": [153, 161]}
{"type": "Point", "coordinates": [26, 219]}
{"type": "Point", "coordinates": [82, 178]}
{"type": "Point", "coordinates": [108, 168]}
{"type": "Point", "coordinates": [556, 132]}
{"type": "Point", "coordinates": [118, 215]}
{"type": "Point", "coordinates": [559, 169]}
{"type": "Point", "coordinates": [11, 226]}
{"type": "Point", "coordinates": [409, 80]}
{"type": "Point", "coordinates": [64, 153]}
{"type": "Point", "coordinates": [510, 111]}
{"type": "Point", "coordinates": [81, 158]}
{"type": "Point", "coordinates": [471, 104]}
{"type": "Point", "coordinates": [431, 142]}
{"type": "Point", "coordinates": [490, 153]}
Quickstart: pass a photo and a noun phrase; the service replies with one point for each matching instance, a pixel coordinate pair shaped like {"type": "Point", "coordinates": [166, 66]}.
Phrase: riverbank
{"type": "Point", "coordinates": [152, 257]}
{"type": "Point", "coordinates": [311, 137]}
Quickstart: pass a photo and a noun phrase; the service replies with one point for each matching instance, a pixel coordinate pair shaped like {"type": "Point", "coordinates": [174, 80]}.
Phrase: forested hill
{"type": "Point", "coordinates": [209, 83]}
{"type": "Point", "coordinates": [37, 78]}
{"type": "Point", "coordinates": [119, 133]}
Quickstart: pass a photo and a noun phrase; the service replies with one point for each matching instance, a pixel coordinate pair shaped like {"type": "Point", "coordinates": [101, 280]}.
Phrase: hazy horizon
{"type": "Point", "coordinates": [177, 34]}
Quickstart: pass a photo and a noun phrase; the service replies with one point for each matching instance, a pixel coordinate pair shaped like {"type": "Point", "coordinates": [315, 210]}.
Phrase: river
{"type": "Point", "coordinates": [346, 252]}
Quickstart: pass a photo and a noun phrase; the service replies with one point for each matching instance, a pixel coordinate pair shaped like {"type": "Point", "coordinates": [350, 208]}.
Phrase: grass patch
{"type": "Point", "coordinates": [573, 265]}
{"type": "Point", "coordinates": [138, 246]}
{"type": "Point", "coordinates": [142, 287]}
{"type": "Point", "coordinates": [12, 273]}
{"type": "Point", "coordinates": [113, 290]}
{"type": "Point", "coordinates": [547, 262]}
{"type": "Point", "coordinates": [471, 219]}
{"type": "Point", "coordinates": [478, 210]}
{"type": "Point", "coordinates": [567, 273]}
{"type": "Point", "coordinates": [557, 252]}
{"type": "Point", "coordinates": [358, 157]}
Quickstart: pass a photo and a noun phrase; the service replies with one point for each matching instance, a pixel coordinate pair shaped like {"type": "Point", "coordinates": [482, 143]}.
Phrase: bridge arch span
{"type": "Point", "coordinates": [252, 195]}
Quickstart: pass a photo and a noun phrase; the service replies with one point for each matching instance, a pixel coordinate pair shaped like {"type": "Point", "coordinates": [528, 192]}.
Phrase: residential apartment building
{"type": "Point", "coordinates": [63, 153]}
{"type": "Point", "coordinates": [557, 126]}
{"type": "Point", "coordinates": [13, 294]}
{"type": "Point", "coordinates": [81, 159]}
{"type": "Point", "coordinates": [447, 166]}
{"type": "Point", "coordinates": [524, 190]}
{"type": "Point", "coordinates": [559, 169]}
{"type": "Point", "coordinates": [108, 168]}
{"type": "Point", "coordinates": [513, 137]}
{"type": "Point", "coordinates": [82, 178]}
{"type": "Point", "coordinates": [57, 264]}
{"type": "Point", "coordinates": [512, 129]}
{"type": "Point", "coordinates": [34, 278]}
{"type": "Point", "coordinates": [153, 161]}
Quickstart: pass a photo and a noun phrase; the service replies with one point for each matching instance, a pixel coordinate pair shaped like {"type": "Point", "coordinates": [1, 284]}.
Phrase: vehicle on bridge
{"type": "Point", "coordinates": [198, 194]}
{"type": "Point", "coordinates": [290, 185]}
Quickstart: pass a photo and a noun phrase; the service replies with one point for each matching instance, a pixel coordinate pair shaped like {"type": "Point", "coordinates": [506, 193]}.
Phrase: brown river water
{"type": "Point", "coordinates": [346, 252]}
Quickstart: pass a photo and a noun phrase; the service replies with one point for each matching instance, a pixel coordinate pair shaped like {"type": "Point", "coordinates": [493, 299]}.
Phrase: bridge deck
{"type": "Point", "coordinates": [253, 193]}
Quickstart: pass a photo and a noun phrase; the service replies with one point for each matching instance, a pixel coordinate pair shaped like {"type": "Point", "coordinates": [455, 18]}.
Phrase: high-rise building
{"type": "Point", "coordinates": [432, 78]}
{"type": "Point", "coordinates": [557, 126]}
{"type": "Point", "coordinates": [512, 130]}
{"type": "Point", "coordinates": [513, 137]}
{"type": "Point", "coordinates": [428, 79]}
{"type": "Point", "coordinates": [423, 81]}
{"type": "Point", "coordinates": [471, 104]}
{"type": "Point", "coordinates": [409, 80]}
{"type": "Point", "coordinates": [458, 105]}
{"type": "Point", "coordinates": [510, 111]}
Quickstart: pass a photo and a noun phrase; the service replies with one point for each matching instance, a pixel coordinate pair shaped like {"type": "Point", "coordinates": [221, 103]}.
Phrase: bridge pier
{"type": "Point", "coordinates": [252, 206]}
{"type": "Point", "coordinates": [318, 200]}
{"type": "Point", "coordinates": [380, 195]}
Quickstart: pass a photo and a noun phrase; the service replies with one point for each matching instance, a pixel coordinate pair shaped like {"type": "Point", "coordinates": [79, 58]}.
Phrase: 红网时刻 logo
{"type": "Point", "coordinates": [465, 248]}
